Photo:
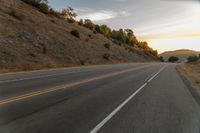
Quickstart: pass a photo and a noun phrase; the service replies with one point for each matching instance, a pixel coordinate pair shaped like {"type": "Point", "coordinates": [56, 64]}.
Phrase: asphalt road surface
{"type": "Point", "coordinates": [123, 98]}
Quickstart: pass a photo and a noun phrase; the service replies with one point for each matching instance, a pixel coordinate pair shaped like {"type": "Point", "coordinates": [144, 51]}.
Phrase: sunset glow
{"type": "Point", "coordinates": [164, 24]}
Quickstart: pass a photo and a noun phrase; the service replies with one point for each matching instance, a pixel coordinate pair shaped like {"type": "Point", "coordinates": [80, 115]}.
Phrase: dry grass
{"type": "Point", "coordinates": [192, 72]}
{"type": "Point", "coordinates": [31, 40]}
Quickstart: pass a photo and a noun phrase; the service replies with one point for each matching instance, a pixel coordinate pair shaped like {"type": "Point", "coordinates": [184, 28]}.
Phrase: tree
{"type": "Point", "coordinates": [97, 28]}
{"type": "Point", "coordinates": [173, 59]}
{"type": "Point", "coordinates": [161, 59]}
{"type": "Point", "coordinates": [69, 14]}
{"type": "Point", "coordinates": [128, 35]}
{"type": "Point", "coordinates": [42, 5]}
{"type": "Point", "coordinates": [144, 45]}
{"type": "Point", "coordinates": [89, 24]}
{"type": "Point", "coordinates": [44, 8]}
{"type": "Point", "coordinates": [105, 30]}
{"type": "Point", "coordinates": [81, 22]}
{"type": "Point", "coordinates": [118, 35]}
{"type": "Point", "coordinates": [193, 58]}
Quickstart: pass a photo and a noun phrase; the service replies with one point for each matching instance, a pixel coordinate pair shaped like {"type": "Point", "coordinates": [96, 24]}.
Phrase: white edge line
{"type": "Point", "coordinates": [104, 121]}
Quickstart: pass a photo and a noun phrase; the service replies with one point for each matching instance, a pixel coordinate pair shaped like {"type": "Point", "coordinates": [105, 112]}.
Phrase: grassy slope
{"type": "Point", "coordinates": [30, 40]}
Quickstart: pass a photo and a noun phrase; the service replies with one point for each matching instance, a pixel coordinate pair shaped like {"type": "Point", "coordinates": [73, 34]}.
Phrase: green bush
{"type": "Point", "coordinates": [97, 28]}
{"type": "Point", "coordinates": [44, 8]}
{"type": "Point", "coordinates": [89, 24]}
{"type": "Point", "coordinates": [75, 33]}
{"type": "Point", "coordinates": [42, 5]}
{"type": "Point", "coordinates": [81, 22]}
{"type": "Point", "coordinates": [161, 59]}
{"type": "Point", "coordinates": [173, 59]}
{"type": "Point", "coordinates": [71, 20]}
{"type": "Point", "coordinates": [106, 56]}
{"type": "Point", "coordinates": [107, 45]}
{"type": "Point", "coordinates": [193, 58]}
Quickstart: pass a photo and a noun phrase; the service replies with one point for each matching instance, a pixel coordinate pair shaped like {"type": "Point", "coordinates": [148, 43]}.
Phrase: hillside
{"type": "Point", "coordinates": [30, 40]}
{"type": "Point", "coordinates": [182, 54]}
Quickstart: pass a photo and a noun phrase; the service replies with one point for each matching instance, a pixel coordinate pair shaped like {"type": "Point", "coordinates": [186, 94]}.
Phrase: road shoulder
{"type": "Point", "coordinates": [188, 75]}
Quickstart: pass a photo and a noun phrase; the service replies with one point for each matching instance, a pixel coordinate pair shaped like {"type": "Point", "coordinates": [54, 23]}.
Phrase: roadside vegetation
{"type": "Point", "coordinates": [36, 36]}
{"type": "Point", "coordinates": [173, 59]}
{"type": "Point", "coordinates": [121, 36]}
{"type": "Point", "coordinates": [193, 58]}
{"type": "Point", "coordinates": [75, 33]}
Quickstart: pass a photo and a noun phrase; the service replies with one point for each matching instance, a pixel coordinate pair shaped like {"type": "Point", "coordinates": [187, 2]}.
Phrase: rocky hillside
{"type": "Point", "coordinates": [30, 40]}
{"type": "Point", "coordinates": [182, 54]}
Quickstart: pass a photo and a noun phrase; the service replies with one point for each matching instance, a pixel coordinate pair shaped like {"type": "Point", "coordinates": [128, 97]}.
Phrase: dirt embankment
{"type": "Point", "coordinates": [32, 40]}
{"type": "Point", "coordinates": [191, 74]}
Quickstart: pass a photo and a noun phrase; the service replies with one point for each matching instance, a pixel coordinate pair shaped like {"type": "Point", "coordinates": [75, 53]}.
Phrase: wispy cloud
{"type": "Point", "coordinates": [99, 15]}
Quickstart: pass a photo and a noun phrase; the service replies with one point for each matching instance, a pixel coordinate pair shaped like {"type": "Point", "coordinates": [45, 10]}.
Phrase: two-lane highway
{"type": "Point", "coordinates": [123, 98]}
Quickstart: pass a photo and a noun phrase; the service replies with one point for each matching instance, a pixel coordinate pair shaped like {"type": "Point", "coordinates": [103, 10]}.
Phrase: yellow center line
{"type": "Point", "coordinates": [61, 87]}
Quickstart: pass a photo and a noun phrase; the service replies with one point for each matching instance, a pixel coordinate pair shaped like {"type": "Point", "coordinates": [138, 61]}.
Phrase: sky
{"type": "Point", "coordinates": [165, 24]}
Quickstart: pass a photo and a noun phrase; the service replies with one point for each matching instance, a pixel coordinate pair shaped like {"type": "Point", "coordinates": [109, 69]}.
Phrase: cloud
{"type": "Point", "coordinates": [124, 13]}
{"type": "Point", "coordinates": [99, 15]}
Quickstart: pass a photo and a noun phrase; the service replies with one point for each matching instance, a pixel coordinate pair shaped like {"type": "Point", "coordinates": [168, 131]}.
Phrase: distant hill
{"type": "Point", "coordinates": [30, 39]}
{"type": "Point", "coordinates": [182, 54]}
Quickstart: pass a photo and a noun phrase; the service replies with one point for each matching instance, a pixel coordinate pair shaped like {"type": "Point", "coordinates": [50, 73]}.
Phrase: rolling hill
{"type": "Point", "coordinates": [182, 54]}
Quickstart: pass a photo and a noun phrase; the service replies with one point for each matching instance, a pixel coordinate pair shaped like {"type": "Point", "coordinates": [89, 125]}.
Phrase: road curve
{"type": "Point", "coordinates": [123, 98]}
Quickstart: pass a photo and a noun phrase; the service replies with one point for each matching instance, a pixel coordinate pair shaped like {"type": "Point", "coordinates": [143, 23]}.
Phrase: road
{"type": "Point", "coordinates": [123, 98]}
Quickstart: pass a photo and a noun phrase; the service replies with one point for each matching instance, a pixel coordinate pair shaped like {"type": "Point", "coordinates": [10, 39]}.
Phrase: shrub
{"type": "Point", "coordinates": [75, 33]}
{"type": "Point", "coordinates": [107, 45]}
{"type": "Point", "coordinates": [44, 8]}
{"type": "Point", "coordinates": [82, 62]}
{"type": "Point", "coordinates": [192, 58]}
{"type": "Point", "coordinates": [97, 28]}
{"type": "Point", "coordinates": [89, 24]}
{"type": "Point", "coordinates": [161, 59]}
{"type": "Point", "coordinates": [173, 59]}
{"type": "Point", "coordinates": [42, 5]}
{"type": "Point", "coordinates": [106, 56]}
{"type": "Point", "coordinates": [80, 22]}
{"type": "Point", "coordinates": [105, 30]}
{"type": "Point", "coordinates": [94, 32]}
{"type": "Point", "coordinates": [71, 20]}
{"type": "Point", "coordinates": [153, 52]}
{"type": "Point", "coordinates": [54, 13]}
{"type": "Point", "coordinates": [69, 14]}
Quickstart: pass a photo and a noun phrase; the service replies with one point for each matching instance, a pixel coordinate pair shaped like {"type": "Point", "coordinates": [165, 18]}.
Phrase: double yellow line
{"type": "Point", "coordinates": [61, 87]}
